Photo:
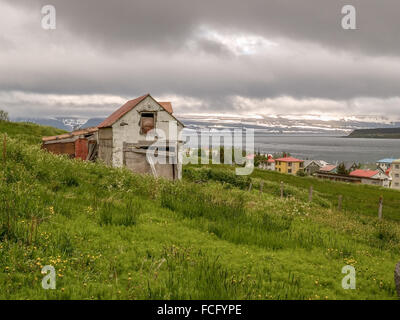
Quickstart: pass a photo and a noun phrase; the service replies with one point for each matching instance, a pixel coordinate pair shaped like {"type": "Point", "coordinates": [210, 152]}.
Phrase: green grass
{"type": "Point", "coordinates": [111, 234]}
{"type": "Point", "coordinates": [361, 199]}
{"type": "Point", "coordinates": [26, 131]}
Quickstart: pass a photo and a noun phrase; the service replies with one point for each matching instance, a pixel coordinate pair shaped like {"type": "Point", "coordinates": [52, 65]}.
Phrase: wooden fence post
{"type": "Point", "coordinates": [380, 208]}
{"type": "Point", "coordinates": [250, 186]}
{"type": "Point", "coordinates": [310, 194]}
{"type": "Point", "coordinates": [340, 200]}
{"type": "Point", "coordinates": [281, 189]}
{"type": "Point", "coordinates": [261, 186]}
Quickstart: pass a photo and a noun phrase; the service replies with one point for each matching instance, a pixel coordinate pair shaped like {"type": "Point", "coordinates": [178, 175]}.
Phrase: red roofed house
{"type": "Point", "coordinates": [373, 177]}
{"type": "Point", "coordinates": [288, 165]}
{"type": "Point", "coordinates": [268, 163]}
{"type": "Point", "coordinates": [124, 138]}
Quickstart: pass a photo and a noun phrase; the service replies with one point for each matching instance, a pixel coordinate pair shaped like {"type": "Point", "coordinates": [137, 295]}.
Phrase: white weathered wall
{"type": "Point", "coordinates": [131, 133]}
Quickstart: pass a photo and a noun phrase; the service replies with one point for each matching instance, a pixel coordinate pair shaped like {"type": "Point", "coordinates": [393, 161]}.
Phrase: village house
{"type": "Point", "coordinates": [312, 166]}
{"type": "Point", "coordinates": [350, 166]}
{"type": "Point", "coordinates": [385, 164]}
{"type": "Point", "coordinates": [372, 177]}
{"type": "Point", "coordinates": [268, 163]}
{"type": "Point", "coordinates": [123, 139]}
{"type": "Point", "coordinates": [395, 173]}
{"type": "Point", "coordinates": [288, 165]}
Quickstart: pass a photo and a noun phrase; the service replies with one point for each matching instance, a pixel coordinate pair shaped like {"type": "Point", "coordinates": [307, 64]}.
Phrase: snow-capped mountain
{"type": "Point", "coordinates": [283, 124]}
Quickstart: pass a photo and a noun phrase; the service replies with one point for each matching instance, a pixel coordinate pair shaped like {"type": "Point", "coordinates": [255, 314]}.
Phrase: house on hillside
{"type": "Point", "coordinates": [385, 164]}
{"type": "Point", "coordinates": [289, 165]}
{"type": "Point", "coordinates": [312, 166]}
{"type": "Point", "coordinates": [372, 177]}
{"type": "Point", "coordinates": [350, 166]}
{"type": "Point", "coordinates": [268, 163]}
{"type": "Point", "coordinates": [395, 172]}
{"type": "Point", "coordinates": [126, 138]}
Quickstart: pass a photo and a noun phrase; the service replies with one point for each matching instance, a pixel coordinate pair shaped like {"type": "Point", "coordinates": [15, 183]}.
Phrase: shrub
{"type": "Point", "coordinates": [4, 116]}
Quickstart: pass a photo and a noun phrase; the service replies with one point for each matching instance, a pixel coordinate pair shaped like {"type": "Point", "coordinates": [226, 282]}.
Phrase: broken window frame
{"type": "Point", "coordinates": [141, 119]}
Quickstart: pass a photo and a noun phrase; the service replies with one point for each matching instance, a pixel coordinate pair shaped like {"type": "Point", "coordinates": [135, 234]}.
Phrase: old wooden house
{"type": "Point", "coordinates": [124, 139]}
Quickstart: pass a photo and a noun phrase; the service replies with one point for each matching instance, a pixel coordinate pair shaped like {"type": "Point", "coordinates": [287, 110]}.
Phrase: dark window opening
{"type": "Point", "coordinates": [146, 122]}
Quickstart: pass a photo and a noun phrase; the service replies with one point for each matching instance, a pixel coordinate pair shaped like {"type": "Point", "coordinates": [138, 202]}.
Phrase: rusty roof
{"type": "Point", "coordinates": [128, 106]}
{"type": "Point", "coordinates": [70, 134]}
{"type": "Point", "coordinates": [167, 106]}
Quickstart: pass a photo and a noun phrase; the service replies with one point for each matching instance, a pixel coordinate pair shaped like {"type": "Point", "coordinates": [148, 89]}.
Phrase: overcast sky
{"type": "Point", "coordinates": [256, 57]}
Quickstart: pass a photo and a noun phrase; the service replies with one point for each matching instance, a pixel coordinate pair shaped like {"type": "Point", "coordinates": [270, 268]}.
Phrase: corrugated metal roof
{"type": "Point", "coordinates": [70, 134]}
{"type": "Point", "coordinates": [289, 159]}
{"type": "Point", "coordinates": [167, 106]}
{"type": "Point", "coordinates": [364, 173]}
{"type": "Point", "coordinates": [387, 160]}
{"type": "Point", "coordinates": [128, 106]}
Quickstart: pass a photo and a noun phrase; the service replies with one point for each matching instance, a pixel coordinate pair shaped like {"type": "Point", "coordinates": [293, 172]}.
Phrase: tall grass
{"type": "Point", "coordinates": [125, 214]}
{"type": "Point", "coordinates": [193, 201]}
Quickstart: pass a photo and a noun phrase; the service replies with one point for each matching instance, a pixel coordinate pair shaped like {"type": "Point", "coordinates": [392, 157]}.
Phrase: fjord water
{"type": "Point", "coordinates": [318, 146]}
{"type": "Point", "coordinates": [329, 148]}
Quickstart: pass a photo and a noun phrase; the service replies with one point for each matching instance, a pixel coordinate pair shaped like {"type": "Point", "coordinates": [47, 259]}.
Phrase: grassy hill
{"type": "Point", "coordinates": [29, 132]}
{"type": "Point", "coordinates": [360, 199]}
{"type": "Point", "coordinates": [111, 234]}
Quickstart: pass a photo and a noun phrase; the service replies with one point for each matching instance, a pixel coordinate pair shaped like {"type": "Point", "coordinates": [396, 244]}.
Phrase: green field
{"type": "Point", "coordinates": [111, 234]}
{"type": "Point", "coordinates": [362, 199]}
{"type": "Point", "coordinates": [29, 132]}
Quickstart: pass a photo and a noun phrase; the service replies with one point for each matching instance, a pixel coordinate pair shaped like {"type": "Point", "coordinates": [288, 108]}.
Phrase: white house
{"type": "Point", "coordinates": [268, 163]}
{"type": "Point", "coordinates": [385, 164]}
{"type": "Point", "coordinates": [372, 177]}
{"type": "Point", "coordinates": [312, 166]}
{"type": "Point", "coordinates": [124, 137]}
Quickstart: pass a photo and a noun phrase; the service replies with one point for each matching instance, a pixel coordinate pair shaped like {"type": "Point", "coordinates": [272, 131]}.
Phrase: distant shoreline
{"type": "Point", "coordinates": [379, 133]}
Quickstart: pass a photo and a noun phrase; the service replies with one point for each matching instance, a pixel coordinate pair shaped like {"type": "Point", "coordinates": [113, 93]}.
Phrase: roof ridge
{"type": "Point", "coordinates": [125, 108]}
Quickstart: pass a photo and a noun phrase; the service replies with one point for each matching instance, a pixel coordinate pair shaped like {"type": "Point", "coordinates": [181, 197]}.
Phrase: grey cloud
{"type": "Point", "coordinates": [128, 48]}
{"type": "Point", "coordinates": [168, 24]}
